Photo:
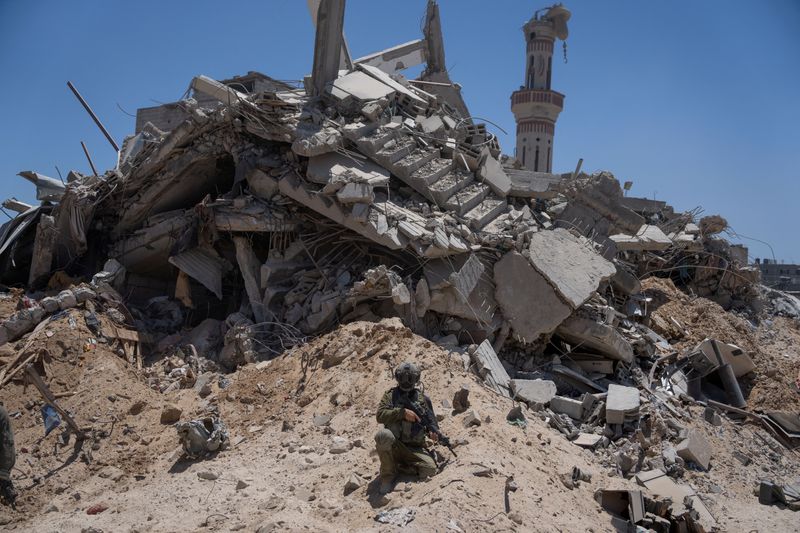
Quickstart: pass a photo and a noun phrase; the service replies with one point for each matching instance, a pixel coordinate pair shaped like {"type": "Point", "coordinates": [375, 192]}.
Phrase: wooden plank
{"type": "Point", "coordinates": [39, 383]}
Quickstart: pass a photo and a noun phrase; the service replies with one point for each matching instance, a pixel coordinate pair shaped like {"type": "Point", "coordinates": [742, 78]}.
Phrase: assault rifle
{"type": "Point", "coordinates": [428, 422]}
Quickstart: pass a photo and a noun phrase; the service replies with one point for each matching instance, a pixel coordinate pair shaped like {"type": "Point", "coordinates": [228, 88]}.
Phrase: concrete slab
{"type": "Point", "coordinates": [587, 440]}
{"type": "Point", "coordinates": [517, 284]}
{"type": "Point", "coordinates": [648, 238]}
{"type": "Point", "coordinates": [533, 391]}
{"type": "Point", "coordinates": [596, 336]}
{"type": "Point", "coordinates": [491, 369]}
{"type": "Point", "coordinates": [325, 168]}
{"type": "Point", "coordinates": [622, 404]}
{"type": "Point", "coordinates": [360, 86]}
{"type": "Point", "coordinates": [491, 172]}
{"type": "Point", "coordinates": [662, 486]}
{"type": "Point", "coordinates": [569, 264]}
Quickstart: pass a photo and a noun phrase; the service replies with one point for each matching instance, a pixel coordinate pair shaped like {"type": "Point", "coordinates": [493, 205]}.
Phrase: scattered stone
{"type": "Point", "coordinates": [241, 484]}
{"type": "Point", "coordinates": [515, 517]}
{"type": "Point", "coordinates": [111, 472]}
{"type": "Point", "coordinates": [273, 503]}
{"type": "Point", "coordinates": [399, 517]}
{"type": "Point", "coordinates": [461, 399]}
{"type": "Point", "coordinates": [471, 418]}
{"type": "Point", "coordinates": [171, 414]}
{"type": "Point", "coordinates": [207, 475]}
{"type": "Point", "coordinates": [321, 420]}
{"type": "Point", "coordinates": [340, 445]}
{"type": "Point", "coordinates": [137, 407]}
{"type": "Point", "coordinates": [353, 483]}
{"type": "Point", "coordinates": [742, 458]}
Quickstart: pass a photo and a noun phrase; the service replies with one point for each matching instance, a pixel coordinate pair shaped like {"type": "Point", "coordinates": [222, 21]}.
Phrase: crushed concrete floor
{"type": "Point", "coordinates": [264, 252]}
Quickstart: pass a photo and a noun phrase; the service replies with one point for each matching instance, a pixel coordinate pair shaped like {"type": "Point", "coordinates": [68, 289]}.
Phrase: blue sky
{"type": "Point", "coordinates": [697, 103]}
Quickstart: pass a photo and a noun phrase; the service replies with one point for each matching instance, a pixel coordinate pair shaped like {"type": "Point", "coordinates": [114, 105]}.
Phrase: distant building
{"type": "Point", "coordinates": [782, 276]}
{"type": "Point", "coordinates": [535, 106]}
{"type": "Point", "coordinates": [168, 116]}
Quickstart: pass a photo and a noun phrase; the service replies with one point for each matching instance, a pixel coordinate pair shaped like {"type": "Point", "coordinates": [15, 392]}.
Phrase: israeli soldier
{"type": "Point", "coordinates": [7, 458]}
{"type": "Point", "coordinates": [401, 442]}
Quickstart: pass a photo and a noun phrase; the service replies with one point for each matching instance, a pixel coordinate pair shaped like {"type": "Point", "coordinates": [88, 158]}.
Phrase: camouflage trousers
{"type": "Point", "coordinates": [398, 458]}
{"type": "Point", "coordinates": [7, 454]}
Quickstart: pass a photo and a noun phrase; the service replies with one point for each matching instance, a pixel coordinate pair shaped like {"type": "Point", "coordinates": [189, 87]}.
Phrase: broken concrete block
{"type": "Point", "coordinates": [360, 213]}
{"type": "Point", "coordinates": [66, 299]}
{"type": "Point", "coordinates": [695, 448]}
{"type": "Point", "coordinates": [663, 486]}
{"type": "Point", "coordinates": [622, 404]}
{"type": "Point", "coordinates": [533, 391]}
{"type": "Point", "coordinates": [492, 173]}
{"type": "Point", "coordinates": [471, 418]}
{"type": "Point", "coordinates": [353, 193]}
{"type": "Point", "coordinates": [569, 264]}
{"type": "Point", "coordinates": [587, 440]}
{"type": "Point", "coordinates": [567, 406]}
{"type": "Point", "coordinates": [49, 304]}
{"type": "Point", "coordinates": [626, 504]}
{"type": "Point", "coordinates": [490, 368]}
{"type": "Point", "coordinates": [83, 293]}
{"type": "Point", "coordinates": [517, 284]}
{"type": "Point", "coordinates": [648, 238]}
{"type": "Point", "coordinates": [712, 416]}
{"type": "Point", "coordinates": [601, 337]}
{"type": "Point", "coordinates": [313, 143]}
{"type": "Point", "coordinates": [401, 295]}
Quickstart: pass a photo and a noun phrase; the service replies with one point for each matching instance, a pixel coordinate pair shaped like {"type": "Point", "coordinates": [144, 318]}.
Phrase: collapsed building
{"type": "Point", "coordinates": [255, 213]}
{"type": "Point", "coordinates": [360, 194]}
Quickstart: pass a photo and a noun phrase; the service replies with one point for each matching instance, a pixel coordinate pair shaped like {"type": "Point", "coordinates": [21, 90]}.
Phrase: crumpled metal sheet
{"type": "Point", "coordinates": [201, 265]}
{"type": "Point", "coordinates": [201, 437]}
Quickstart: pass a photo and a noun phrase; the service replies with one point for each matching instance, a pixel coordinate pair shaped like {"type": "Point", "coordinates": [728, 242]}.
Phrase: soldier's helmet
{"type": "Point", "coordinates": [407, 376]}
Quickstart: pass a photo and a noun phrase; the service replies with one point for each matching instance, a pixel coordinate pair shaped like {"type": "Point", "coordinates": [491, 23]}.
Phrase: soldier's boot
{"type": "Point", "coordinates": [7, 492]}
{"type": "Point", "coordinates": [384, 444]}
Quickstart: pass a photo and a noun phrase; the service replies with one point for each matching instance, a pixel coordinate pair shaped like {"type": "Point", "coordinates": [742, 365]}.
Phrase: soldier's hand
{"type": "Point", "coordinates": [410, 416]}
{"type": "Point", "coordinates": [433, 436]}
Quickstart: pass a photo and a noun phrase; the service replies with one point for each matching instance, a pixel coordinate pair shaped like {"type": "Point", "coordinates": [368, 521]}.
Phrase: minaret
{"type": "Point", "coordinates": [535, 106]}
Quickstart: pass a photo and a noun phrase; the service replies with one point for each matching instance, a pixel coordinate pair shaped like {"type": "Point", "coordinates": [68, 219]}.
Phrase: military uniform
{"type": "Point", "coordinates": [7, 454]}
{"type": "Point", "coordinates": [401, 444]}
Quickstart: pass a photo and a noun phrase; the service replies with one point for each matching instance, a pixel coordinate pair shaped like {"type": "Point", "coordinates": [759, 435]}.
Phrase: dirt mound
{"type": "Point", "coordinates": [301, 427]}
{"type": "Point", "coordinates": [773, 344]}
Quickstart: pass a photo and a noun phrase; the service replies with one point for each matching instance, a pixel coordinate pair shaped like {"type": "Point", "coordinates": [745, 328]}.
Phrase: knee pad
{"type": "Point", "coordinates": [384, 440]}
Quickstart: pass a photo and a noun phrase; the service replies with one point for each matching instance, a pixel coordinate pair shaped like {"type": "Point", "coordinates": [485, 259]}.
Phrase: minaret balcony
{"type": "Point", "coordinates": [537, 102]}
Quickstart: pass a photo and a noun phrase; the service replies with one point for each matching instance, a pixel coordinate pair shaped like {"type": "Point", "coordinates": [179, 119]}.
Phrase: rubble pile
{"type": "Point", "coordinates": [264, 218]}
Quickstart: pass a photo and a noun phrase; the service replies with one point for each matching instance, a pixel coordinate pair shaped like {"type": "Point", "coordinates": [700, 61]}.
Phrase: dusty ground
{"type": "Point", "coordinates": [290, 479]}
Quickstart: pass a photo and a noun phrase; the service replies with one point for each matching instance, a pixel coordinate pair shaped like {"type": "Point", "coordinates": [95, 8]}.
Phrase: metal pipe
{"type": "Point", "coordinates": [91, 164]}
{"type": "Point", "coordinates": [91, 114]}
